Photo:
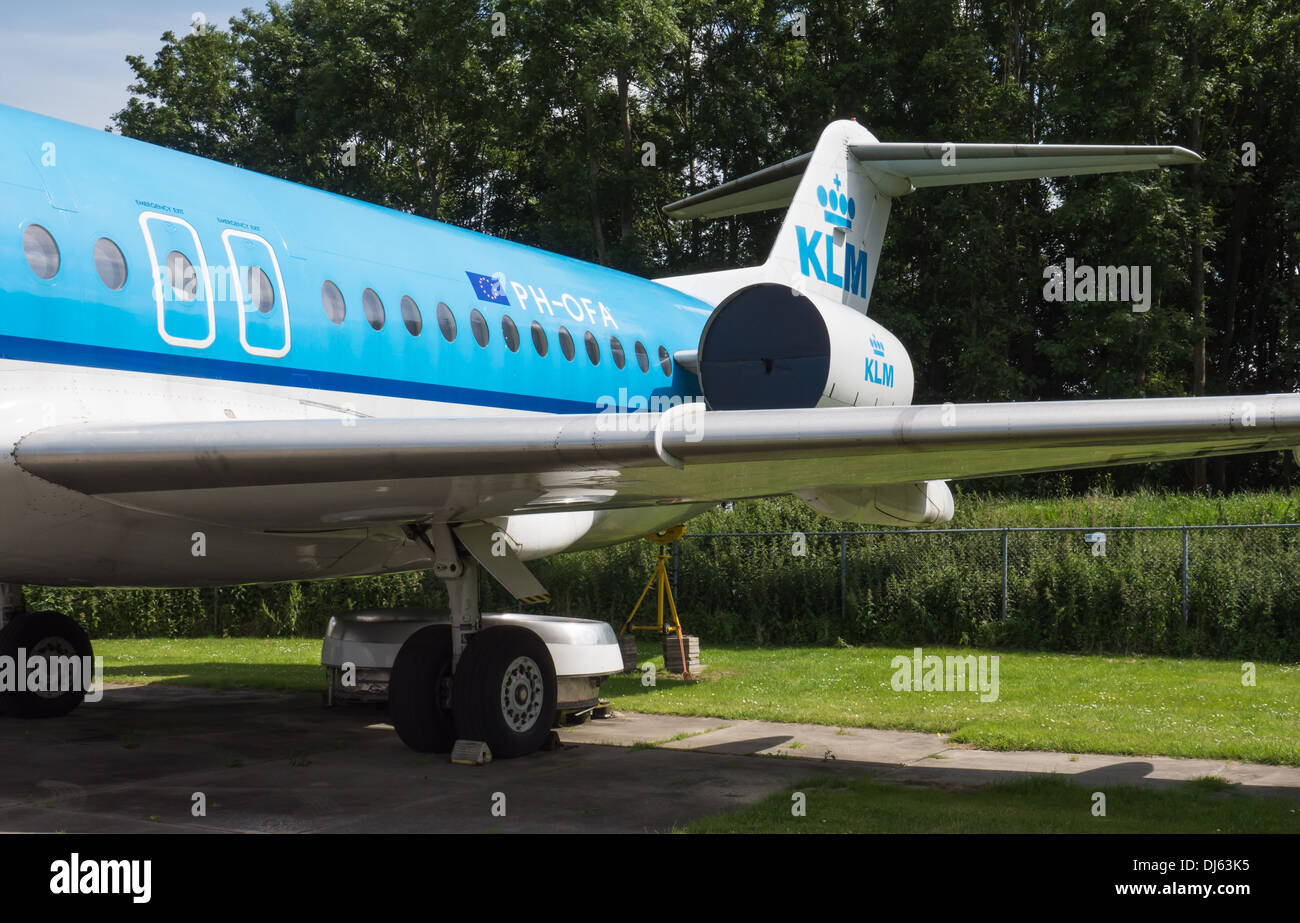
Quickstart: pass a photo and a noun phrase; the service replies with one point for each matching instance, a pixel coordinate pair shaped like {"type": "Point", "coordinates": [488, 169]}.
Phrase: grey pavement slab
{"type": "Point", "coordinates": [284, 763]}
{"type": "Point", "coordinates": [907, 756]}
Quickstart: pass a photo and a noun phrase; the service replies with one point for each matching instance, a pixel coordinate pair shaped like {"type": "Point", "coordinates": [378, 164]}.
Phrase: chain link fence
{"type": "Point", "coordinates": [1209, 590]}
{"type": "Point", "coordinates": [1229, 589]}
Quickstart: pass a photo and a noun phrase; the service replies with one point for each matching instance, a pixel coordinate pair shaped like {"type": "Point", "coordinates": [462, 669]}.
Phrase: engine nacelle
{"type": "Point", "coordinates": [768, 346]}
{"type": "Point", "coordinates": [917, 503]}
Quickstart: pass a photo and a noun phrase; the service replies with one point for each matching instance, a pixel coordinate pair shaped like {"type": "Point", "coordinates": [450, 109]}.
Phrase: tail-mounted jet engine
{"type": "Point", "coordinates": [768, 346]}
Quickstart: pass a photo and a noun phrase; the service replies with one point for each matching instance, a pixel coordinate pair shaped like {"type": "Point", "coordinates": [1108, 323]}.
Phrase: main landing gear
{"type": "Point", "coordinates": [461, 681]}
{"type": "Point", "coordinates": [31, 636]}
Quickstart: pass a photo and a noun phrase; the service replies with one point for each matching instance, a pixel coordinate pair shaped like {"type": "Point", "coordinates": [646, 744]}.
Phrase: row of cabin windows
{"type": "Point", "coordinates": [43, 257]}
{"type": "Point", "coordinates": [373, 308]}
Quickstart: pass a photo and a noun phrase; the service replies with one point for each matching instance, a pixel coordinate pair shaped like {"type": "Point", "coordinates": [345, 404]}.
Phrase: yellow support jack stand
{"type": "Point", "coordinates": [660, 575]}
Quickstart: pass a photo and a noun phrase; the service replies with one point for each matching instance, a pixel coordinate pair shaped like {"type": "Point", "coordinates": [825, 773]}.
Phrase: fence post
{"type": "Point", "coordinates": [1005, 532]}
{"type": "Point", "coordinates": [844, 580]}
{"type": "Point", "coordinates": [1185, 578]}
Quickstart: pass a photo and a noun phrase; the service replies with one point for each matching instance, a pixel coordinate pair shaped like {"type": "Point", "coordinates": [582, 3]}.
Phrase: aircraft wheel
{"type": "Point", "coordinates": [505, 691]}
{"type": "Point", "coordinates": [44, 634]}
{"type": "Point", "coordinates": [415, 691]}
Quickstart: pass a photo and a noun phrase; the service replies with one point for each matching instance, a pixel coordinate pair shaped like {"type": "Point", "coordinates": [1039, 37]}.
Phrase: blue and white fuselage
{"type": "Point", "coordinates": [181, 289]}
{"type": "Point", "coordinates": [178, 339]}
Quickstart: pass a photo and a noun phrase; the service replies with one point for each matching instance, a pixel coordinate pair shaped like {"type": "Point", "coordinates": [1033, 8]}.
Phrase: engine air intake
{"type": "Point", "coordinates": [765, 346]}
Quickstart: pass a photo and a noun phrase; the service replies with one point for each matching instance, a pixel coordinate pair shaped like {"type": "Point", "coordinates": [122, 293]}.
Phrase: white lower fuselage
{"type": "Point", "coordinates": [54, 536]}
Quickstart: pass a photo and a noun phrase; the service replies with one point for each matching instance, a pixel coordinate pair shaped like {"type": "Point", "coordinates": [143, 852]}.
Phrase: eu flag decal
{"type": "Point", "coordinates": [488, 288]}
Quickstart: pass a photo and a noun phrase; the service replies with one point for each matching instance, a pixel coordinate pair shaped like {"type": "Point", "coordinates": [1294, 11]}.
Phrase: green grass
{"type": "Point", "coordinates": [1047, 701]}
{"type": "Point", "coordinates": [975, 509]}
{"type": "Point", "coordinates": [1035, 805]}
{"type": "Point", "coordinates": [280, 664]}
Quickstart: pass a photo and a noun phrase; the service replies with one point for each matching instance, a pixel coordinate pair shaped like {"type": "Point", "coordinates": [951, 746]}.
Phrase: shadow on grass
{"type": "Point", "coordinates": [629, 684]}
{"type": "Point", "coordinates": [288, 677]}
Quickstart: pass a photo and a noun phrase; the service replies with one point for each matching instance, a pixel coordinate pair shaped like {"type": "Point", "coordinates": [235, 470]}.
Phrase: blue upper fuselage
{"type": "Point", "coordinates": [270, 247]}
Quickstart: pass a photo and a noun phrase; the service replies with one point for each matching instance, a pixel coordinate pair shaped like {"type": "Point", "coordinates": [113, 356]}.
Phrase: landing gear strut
{"type": "Point", "coordinates": [11, 602]}
{"type": "Point", "coordinates": [461, 681]}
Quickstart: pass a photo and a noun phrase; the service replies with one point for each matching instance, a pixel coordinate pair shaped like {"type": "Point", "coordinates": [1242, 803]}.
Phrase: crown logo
{"type": "Point", "coordinates": [877, 347]}
{"type": "Point", "coordinates": [840, 208]}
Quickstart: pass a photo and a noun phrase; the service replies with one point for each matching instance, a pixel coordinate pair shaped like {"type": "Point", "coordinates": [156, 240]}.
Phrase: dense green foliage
{"type": "Point", "coordinates": [528, 119]}
{"type": "Point", "coordinates": [898, 587]}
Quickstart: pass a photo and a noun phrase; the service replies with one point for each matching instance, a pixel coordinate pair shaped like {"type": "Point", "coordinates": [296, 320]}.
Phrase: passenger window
{"type": "Point", "coordinates": [180, 273]}
{"type": "Point", "coordinates": [330, 296]}
{"type": "Point", "coordinates": [41, 250]}
{"type": "Point", "coordinates": [539, 339]}
{"type": "Point", "coordinates": [593, 347]}
{"type": "Point", "coordinates": [373, 308]}
{"type": "Point", "coordinates": [446, 322]}
{"type": "Point", "coordinates": [642, 357]}
{"type": "Point", "coordinates": [510, 332]}
{"type": "Point", "coordinates": [665, 362]}
{"type": "Point", "coordinates": [616, 352]}
{"type": "Point", "coordinates": [260, 290]}
{"type": "Point", "coordinates": [411, 316]}
{"type": "Point", "coordinates": [566, 343]}
{"type": "Point", "coordinates": [110, 264]}
{"type": "Point", "coordinates": [478, 326]}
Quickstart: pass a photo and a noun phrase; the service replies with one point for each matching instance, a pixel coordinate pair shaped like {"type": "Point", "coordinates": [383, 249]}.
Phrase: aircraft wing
{"type": "Point", "coordinates": [320, 474]}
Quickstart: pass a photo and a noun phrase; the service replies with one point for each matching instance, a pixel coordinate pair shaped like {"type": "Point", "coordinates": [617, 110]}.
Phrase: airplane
{"type": "Point", "coordinates": [210, 376]}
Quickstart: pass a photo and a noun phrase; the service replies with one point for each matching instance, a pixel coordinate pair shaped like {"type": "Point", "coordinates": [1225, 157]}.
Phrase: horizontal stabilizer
{"type": "Point", "coordinates": [922, 165]}
{"type": "Point", "coordinates": [771, 187]}
{"type": "Point", "coordinates": [898, 168]}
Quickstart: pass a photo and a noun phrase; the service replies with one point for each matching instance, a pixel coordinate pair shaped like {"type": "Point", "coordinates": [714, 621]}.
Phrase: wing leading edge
{"type": "Point", "coordinates": [302, 474]}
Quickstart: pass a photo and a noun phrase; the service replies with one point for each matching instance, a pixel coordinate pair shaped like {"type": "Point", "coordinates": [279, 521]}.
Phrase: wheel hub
{"type": "Point", "coordinates": [46, 648]}
{"type": "Point", "coordinates": [522, 692]}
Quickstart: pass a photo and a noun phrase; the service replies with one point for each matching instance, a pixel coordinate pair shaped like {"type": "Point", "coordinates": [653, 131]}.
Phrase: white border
{"type": "Point", "coordinates": [239, 294]}
{"type": "Point", "coordinates": [145, 217]}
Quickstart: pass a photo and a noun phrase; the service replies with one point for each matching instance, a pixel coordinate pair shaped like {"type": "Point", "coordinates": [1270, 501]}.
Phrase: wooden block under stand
{"type": "Point", "coordinates": [627, 645]}
{"type": "Point", "coordinates": [673, 650]}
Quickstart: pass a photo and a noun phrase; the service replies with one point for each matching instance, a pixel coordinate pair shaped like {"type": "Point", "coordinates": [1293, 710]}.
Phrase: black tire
{"type": "Point", "coordinates": [33, 632]}
{"type": "Point", "coordinates": [414, 697]}
{"type": "Point", "coordinates": [511, 710]}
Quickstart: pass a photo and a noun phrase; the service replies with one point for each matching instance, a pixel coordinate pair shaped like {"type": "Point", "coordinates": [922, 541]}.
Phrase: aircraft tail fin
{"type": "Point", "coordinates": [838, 199]}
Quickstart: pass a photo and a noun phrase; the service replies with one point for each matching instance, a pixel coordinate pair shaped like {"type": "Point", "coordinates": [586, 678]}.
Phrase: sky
{"type": "Point", "coordinates": [67, 58]}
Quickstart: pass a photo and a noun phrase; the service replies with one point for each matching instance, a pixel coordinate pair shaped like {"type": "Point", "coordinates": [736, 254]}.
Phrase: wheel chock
{"type": "Point", "coordinates": [471, 753]}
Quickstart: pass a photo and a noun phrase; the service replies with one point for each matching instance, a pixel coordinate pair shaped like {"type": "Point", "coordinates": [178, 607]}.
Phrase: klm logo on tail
{"type": "Point", "coordinates": [839, 211]}
{"type": "Point", "coordinates": [879, 372]}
